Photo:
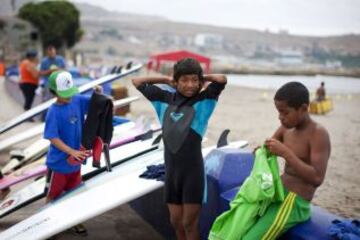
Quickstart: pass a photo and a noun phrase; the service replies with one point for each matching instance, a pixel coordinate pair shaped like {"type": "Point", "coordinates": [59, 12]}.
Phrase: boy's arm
{"type": "Point", "coordinates": [218, 78]}
{"type": "Point", "coordinates": [217, 84]}
{"type": "Point", "coordinates": [279, 133]}
{"type": "Point", "coordinates": [137, 81]}
{"type": "Point", "coordinates": [79, 155]}
{"type": "Point", "coordinates": [314, 172]}
{"type": "Point", "coordinates": [43, 69]}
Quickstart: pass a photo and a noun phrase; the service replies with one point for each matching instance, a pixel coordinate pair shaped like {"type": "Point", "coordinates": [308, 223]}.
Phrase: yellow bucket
{"type": "Point", "coordinates": [321, 107]}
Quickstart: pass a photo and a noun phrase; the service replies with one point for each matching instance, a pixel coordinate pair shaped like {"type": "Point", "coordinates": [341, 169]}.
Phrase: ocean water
{"type": "Point", "coordinates": [333, 85]}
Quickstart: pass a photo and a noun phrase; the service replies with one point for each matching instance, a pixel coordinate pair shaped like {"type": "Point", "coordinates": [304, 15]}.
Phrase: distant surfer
{"type": "Point", "coordinates": [321, 93]}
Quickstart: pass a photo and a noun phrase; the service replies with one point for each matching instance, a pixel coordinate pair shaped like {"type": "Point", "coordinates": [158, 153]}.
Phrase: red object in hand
{"type": "Point", "coordinates": [73, 161]}
{"type": "Point", "coordinates": [96, 152]}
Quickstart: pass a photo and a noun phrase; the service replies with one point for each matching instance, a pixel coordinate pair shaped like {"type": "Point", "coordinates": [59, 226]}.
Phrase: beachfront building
{"type": "Point", "coordinates": [16, 37]}
{"type": "Point", "coordinates": [209, 40]}
{"type": "Point", "coordinates": [290, 57]}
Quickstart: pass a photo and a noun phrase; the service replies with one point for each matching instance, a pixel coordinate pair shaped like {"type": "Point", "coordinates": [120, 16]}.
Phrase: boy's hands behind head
{"type": "Point", "coordinates": [169, 80]}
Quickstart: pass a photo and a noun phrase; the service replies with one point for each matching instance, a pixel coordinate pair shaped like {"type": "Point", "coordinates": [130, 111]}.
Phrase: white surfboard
{"type": "Point", "coordinates": [125, 133]}
{"type": "Point", "coordinates": [42, 107]}
{"type": "Point", "coordinates": [96, 196]}
{"type": "Point", "coordinates": [39, 129]}
{"type": "Point", "coordinates": [39, 147]}
{"type": "Point", "coordinates": [32, 152]}
{"type": "Point", "coordinates": [34, 191]}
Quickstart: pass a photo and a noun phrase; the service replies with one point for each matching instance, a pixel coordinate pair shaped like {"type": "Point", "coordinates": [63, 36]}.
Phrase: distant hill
{"type": "Point", "coordinates": [119, 33]}
{"type": "Point", "coordinates": [239, 41]}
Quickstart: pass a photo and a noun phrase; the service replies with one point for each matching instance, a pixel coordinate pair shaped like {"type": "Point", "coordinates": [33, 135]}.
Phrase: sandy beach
{"type": "Point", "coordinates": [250, 115]}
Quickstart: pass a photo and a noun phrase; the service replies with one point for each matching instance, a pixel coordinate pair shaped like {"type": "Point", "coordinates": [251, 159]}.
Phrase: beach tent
{"type": "Point", "coordinates": [157, 60]}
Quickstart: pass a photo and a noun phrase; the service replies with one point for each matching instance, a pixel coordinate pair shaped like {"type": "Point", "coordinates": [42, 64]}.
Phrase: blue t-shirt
{"type": "Point", "coordinates": [47, 64]}
{"type": "Point", "coordinates": [65, 121]}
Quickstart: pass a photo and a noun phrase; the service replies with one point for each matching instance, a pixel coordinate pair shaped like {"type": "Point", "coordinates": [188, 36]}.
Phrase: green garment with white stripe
{"type": "Point", "coordinates": [258, 191]}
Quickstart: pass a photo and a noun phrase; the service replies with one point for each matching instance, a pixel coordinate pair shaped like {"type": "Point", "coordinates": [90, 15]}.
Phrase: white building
{"type": "Point", "coordinates": [289, 57]}
{"type": "Point", "coordinates": [209, 40]}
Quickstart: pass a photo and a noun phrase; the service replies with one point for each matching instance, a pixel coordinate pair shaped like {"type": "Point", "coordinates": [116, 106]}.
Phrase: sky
{"type": "Point", "coordinates": [300, 17]}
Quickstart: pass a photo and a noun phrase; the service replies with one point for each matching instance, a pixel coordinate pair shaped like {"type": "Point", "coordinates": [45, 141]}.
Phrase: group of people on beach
{"type": "Point", "coordinates": [31, 78]}
{"type": "Point", "coordinates": [184, 114]}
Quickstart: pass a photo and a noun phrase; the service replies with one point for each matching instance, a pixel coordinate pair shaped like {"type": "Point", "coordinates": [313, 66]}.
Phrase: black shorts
{"type": "Point", "coordinates": [184, 180]}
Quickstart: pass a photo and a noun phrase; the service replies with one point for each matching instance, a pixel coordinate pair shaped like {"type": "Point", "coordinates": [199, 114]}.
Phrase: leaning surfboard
{"type": "Point", "coordinates": [39, 129]}
{"type": "Point", "coordinates": [58, 215]}
{"type": "Point", "coordinates": [42, 107]}
{"type": "Point", "coordinates": [39, 147]}
{"type": "Point", "coordinates": [38, 168]}
{"type": "Point", "coordinates": [35, 190]}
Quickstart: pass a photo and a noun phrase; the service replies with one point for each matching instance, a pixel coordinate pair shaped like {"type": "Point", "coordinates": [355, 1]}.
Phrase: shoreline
{"type": "Point", "coordinates": [288, 71]}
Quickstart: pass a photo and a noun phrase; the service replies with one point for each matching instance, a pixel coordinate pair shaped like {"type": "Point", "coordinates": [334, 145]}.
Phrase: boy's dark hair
{"type": "Point", "coordinates": [50, 46]}
{"type": "Point", "coordinates": [52, 92]}
{"type": "Point", "coordinates": [31, 54]}
{"type": "Point", "coordinates": [294, 94]}
{"type": "Point", "coordinates": [188, 66]}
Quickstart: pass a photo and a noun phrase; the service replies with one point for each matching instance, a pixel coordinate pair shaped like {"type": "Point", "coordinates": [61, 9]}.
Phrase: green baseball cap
{"type": "Point", "coordinates": [61, 82]}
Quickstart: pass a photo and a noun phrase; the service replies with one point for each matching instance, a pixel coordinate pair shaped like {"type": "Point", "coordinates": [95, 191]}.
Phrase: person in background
{"type": "Point", "coordinates": [29, 77]}
{"type": "Point", "coordinates": [2, 67]}
{"type": "Point", "coordinates": [321, 93]}
{"type": "Point", "coordinates": [49, 64]}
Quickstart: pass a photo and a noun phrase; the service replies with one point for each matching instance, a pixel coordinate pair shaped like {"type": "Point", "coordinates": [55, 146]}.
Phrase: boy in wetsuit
{"type": "Point", "coordinates": [305, 147]}
{"type": "Point", "coordinates": [184, 116]}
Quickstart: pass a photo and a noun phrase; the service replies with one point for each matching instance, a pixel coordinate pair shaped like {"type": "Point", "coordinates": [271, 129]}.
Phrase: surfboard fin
{"type": "Point", "coordinates": [223, 138]}
{"type": "Point", "coordinates": [129, 65]}
{"type": "Point", "coordinates": [113, 70]}
{"type": "Point", "coordinates": [119, 69]}
{"type": "Point", "coordinates": [157, 140]}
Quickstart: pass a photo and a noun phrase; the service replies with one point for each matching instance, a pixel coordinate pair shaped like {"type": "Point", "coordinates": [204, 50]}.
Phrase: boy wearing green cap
{"type": "Point", "coordinates": [63, 127]}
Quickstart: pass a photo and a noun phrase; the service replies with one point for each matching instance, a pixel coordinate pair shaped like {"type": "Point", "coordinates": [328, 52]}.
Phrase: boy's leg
{"type": "Point", "coordinates": [176, 219]}
{"type": "Point", "coordinates": [73, 180]}
{"type": "Point", "coordinates": [191, 215]}
{"type": "Point", "coordinates": [280, 217]}
{"type": "Point", "coordinates": [55, 185]}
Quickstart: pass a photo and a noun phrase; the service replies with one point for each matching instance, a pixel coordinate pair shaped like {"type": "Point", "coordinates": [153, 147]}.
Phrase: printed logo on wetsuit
{"type": "Point", "coordinates": [176, 116]}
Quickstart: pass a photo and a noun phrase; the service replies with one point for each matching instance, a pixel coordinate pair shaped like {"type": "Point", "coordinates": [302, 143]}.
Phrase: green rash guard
{"type": "Point", "coordinates": [263, 208]}
{"type": "Point", "coordinates": [262, 187]}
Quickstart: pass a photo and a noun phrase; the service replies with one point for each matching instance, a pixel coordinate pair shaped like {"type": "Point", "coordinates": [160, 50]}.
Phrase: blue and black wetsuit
{"type": "Point", "coordinates": [184, 122]}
